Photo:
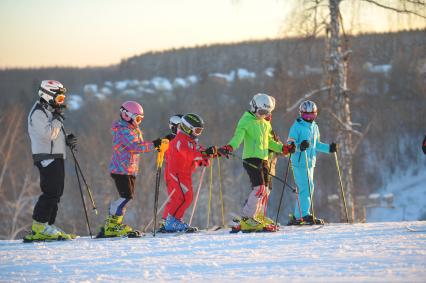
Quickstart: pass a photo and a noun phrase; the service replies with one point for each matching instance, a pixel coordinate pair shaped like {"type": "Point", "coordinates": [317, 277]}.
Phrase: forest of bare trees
{"type": "Point", "coordinates": [390, 103]}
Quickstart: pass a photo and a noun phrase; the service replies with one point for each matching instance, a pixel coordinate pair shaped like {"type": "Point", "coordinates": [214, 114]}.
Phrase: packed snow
{"type": "Point", "coordinates": [372, 252]}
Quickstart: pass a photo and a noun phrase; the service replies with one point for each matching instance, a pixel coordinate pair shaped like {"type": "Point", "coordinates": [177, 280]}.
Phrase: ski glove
{"type": "Point", "coordinates": [157, 144]}
{"type": "Point", "coordinates": [211, 151]}
{"type": "Point", "coordinates": [204, 162]}
{"type": "Point", "coordinates": [225, 150]}
{"type": "Point", "coordinates": [333, 147]}
{"type": "Point", "coordinates": [304, 145]}
{"type": "Point", "coordinates": [170, 137]}
{"type": "Point", "coordinates": [289, 148]}
{"type": "Point", "coordinates": [71, 141]}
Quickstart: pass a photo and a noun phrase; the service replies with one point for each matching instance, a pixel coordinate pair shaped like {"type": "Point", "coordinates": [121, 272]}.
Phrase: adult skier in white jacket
{"type": "Point", "coordinates": [48, 146]}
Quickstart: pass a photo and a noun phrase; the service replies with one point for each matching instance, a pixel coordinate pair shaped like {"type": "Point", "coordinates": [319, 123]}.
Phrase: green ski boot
{"type": "Point", "coordinates": [114, 227]}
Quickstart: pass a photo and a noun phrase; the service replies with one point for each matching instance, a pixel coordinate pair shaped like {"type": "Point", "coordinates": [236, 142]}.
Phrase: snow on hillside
{"type": "Point", "coordinates": [409, 191]}
{"type": "Point", "coordinates": [373, 252]}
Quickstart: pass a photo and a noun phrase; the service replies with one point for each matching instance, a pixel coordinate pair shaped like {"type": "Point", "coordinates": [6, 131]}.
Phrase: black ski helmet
{"type": "Point", "coordinates": [192, 125]}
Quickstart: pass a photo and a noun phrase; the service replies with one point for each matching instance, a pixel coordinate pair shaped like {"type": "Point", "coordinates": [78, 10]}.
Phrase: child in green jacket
{"type": "Point", "coordinates": [255, 132]}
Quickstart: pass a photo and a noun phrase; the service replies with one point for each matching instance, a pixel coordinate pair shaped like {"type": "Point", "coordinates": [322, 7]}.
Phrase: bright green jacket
{"type": "Point", "coordinates": [256, 134]}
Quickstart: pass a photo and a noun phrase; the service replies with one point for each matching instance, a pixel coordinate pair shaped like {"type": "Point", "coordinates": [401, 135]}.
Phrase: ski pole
{"type": "Point", "coordinates": [159, 210]}
{"type": "Point", "coordinates": [311, 196]}
{"type": "Point", "coordinates": [196, 197]}
{"type": "Point", "coordinates": [341, 187]}
{"type": "Point", "coordinates": [77, 164]}
{"type": "Point", "coordinates": [255, 167]}
{"type": "Point", "coordinates": [160, 156]}
{"type": "Point", "coordinates": [210, 197]}
{"type": "Point", "coordinates": [220, 192]}
{"type": "Point", "coordinates": [282, 192]}
{"type": "Point", "coordinates": [82, 200]}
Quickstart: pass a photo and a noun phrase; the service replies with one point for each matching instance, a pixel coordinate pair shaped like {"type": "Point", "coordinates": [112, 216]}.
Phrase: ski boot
{"type": "Point", "coordinates": [268, 224]}
{"type": "Point", "coordinates": [115, 228]}
{"type": "Point", "coordinates": [306, 220]}
{"type": "Point", "coordinates": [249, 224]}
{"type": "Point", "coordinates": [175, 225]}
{"type": "Point", "coordinates": [162, 228]}
{"type": "Point", "coordinates": [309, 220]}
{"type": "Point", "coordinates": [63, 234]}
{"type": "Point", "coordinates": [235, 226]}
{"type": "Point", "coordinates": [44, 232]}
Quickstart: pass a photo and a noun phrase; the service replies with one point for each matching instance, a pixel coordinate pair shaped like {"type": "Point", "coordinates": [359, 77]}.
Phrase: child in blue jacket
{"type": "Point", "coordinates": [305, 134]}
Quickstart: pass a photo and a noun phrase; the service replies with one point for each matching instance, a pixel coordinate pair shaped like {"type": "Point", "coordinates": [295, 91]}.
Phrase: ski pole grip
{"type": "Point", "coordinates": [163, 147]}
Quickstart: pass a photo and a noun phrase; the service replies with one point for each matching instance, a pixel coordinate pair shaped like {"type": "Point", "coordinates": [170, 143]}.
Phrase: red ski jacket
{"type": "Point", "coordinates": [184, 155]}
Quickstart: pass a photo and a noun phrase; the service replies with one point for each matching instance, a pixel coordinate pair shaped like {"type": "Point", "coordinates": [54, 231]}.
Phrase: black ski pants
{"type": "Point", "coordinates": [258, 170]}
{"type": "Point", "coordinates": [52, 187]}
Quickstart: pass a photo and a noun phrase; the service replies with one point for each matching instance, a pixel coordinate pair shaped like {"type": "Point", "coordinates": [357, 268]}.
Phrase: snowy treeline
{"type": "Point", "coordinates": [387, 79]}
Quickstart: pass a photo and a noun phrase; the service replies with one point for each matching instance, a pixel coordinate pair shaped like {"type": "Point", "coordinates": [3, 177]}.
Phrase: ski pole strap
{"type": "Point", "coordinates": [163, 147]}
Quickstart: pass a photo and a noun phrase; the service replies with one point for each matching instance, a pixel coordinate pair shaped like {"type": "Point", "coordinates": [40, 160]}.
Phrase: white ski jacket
{"type": "Point", "coordinates": [47, 137]}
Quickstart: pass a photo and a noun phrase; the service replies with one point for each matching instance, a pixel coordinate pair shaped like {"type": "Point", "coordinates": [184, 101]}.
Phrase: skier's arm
{"type": "Point", "coordinates": [238, 137]}
{"type": "Point", "coordinates": [132, 143]}
{"type": "Point", "coordinates": [273, 145]}
{"type": "Point", "coordinates": [322, 147]}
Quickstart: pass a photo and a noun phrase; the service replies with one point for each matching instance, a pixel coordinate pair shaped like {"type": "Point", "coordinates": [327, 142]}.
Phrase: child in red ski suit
{"type": "Point", "coordinates": [182, 158]}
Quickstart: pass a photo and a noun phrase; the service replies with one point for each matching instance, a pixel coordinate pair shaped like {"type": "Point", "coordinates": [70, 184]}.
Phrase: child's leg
{"type": "Point", "coordinates": [253, 204]}
{"type": "Point", "coordinates": [178, 197]}
{"type": "Point", "coordinates": [126, 188]}
{"type": "Point", "coordinates": [301, 179]}
{"type": "Point", "coordinates": [184, 196]}
{"type": "Point", "coordinates": [170, 189]}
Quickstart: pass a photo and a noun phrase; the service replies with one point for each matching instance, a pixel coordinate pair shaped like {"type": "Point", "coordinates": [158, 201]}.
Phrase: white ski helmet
{"type": "Point", "coordinates": [174, 121]}
{"type": "Point", "coordinates": [308, 110]}
{"type": "Point", "coordinates": [52, 92]}
{"type": "Point", "coordinates": [262, 104]}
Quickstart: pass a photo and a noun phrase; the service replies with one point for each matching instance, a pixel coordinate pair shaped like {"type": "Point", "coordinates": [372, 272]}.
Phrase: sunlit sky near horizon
{"type": "Point", "coordinates": [102, 32]}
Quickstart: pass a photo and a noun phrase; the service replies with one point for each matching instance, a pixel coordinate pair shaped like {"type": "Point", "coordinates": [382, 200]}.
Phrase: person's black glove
{"type": "Point", "coordinates": [71, 141]}
{"type": "Point", "coordinates": [170, 137]}
{"type": "Point", "coordinates": [333, 147]}
{"type": "Point", "coordinates": [157, 143]}
{"type": "Point", "coordinates": [210, 151]}
{"type": "Point", "coordinates": [304, 145]}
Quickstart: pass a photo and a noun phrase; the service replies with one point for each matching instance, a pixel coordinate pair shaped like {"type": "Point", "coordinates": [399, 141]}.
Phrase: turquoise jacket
{"type": "Point", "coordinates": [302, 130]}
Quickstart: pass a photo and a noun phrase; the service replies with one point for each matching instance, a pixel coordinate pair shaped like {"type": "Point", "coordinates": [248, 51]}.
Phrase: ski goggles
{"type": "Point", "coordinates": [197, 131]}
{"type": "Point", "coordinates": [137, 118]}
{"type": "Point", "coordinates": [60, 99]}
{"type": "Point", "coordinates": [263, 112]}
{"type": "Point", "coordinates": [310, 116]}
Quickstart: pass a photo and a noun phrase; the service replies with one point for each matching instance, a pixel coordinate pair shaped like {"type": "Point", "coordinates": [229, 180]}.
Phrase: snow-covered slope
{"type": "Point", "coordinates": [373, 252]}
{"type": "Point", "coordinates": [409, 192]}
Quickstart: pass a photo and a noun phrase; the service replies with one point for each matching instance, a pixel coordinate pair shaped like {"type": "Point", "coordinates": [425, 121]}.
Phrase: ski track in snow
{"type": "Point", "coordinates": [373, 252]}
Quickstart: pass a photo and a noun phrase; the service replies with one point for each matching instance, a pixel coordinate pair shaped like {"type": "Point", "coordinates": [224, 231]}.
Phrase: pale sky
{"type": "Point", "coordinates": [40, 33]}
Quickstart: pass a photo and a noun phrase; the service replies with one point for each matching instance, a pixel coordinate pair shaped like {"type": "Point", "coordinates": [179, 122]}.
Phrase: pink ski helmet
{"type": "Point", "coordinates": [131, 111]}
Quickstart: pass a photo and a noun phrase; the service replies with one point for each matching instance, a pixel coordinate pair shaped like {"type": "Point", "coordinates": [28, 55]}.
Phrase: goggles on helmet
{"type": "Point", "coordinates": [310, 116]}
{"type": "Point", "coordinates": [197, 131]}
{"type": "Point", "coordinates": [263, 112]}
{"type": "Point", "coordinates": [60, 99]}
{"type": "Point", "coordinates": [135, 117]}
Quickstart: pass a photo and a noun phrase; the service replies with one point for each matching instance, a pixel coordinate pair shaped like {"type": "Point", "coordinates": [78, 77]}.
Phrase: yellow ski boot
{"type": "Point", "coordinates": [114, 227]}
{"type": "Point", "coordinates": [44, 232]}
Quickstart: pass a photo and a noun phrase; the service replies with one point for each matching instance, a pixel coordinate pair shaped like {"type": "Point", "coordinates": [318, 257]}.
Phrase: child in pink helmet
{"type": "Point", "coordinates": [127, 144]}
